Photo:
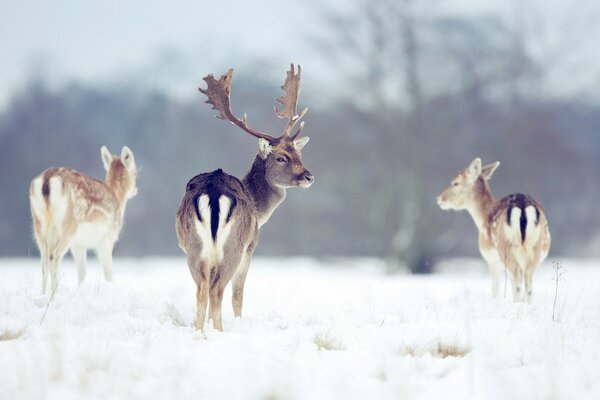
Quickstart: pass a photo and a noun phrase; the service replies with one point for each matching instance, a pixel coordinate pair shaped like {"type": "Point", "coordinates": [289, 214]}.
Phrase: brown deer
{"type": "Point", "coordinates": [73, 210]}
{"type": "Point", "coordinates": [513, 233]}
{"type": "Point", "coordinates": [219, 217]}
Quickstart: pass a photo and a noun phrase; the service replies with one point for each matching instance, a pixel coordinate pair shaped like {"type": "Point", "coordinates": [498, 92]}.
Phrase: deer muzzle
{"type": "Point", "coordinates": [305, 179]}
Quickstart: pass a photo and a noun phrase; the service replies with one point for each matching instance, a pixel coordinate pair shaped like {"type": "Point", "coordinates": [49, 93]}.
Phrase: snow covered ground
{"type": "Point", "coordinates": [347, 331]}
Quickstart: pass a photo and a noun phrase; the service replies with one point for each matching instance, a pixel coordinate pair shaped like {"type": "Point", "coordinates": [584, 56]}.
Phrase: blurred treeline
{"type": "Point", "coordinates": [419, 99]}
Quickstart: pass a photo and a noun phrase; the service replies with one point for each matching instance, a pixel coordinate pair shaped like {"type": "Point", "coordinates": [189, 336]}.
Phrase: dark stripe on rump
{"type": "Point", "coordinates": [213, 202]}
{"type": "Point", "coordinates": [521, 202]}
{"type": "Point", "coordinates": [214, 185]}
{"type": "Point", "coordinates": [214, 213]}
{"type": "Point", "coordinates": [46, 187]}
{"type": "Point", "coordinates": [195, 201]}
{"type": "Point", "coordinates": [522, 220]}
{"type": "Point", "coordinates": [523, 223]}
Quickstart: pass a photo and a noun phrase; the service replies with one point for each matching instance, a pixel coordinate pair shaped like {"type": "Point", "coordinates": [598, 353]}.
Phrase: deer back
{"type": "Point", "coordinates": [216, 215]}
{"type": "Point", "coordinates": [70, 204]}
{"type": "Point", "coordinates": [81, 198]}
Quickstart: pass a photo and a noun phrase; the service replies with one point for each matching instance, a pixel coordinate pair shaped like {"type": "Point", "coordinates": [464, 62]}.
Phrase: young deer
{"type": "Point", "coordinates": [76, 211]}
{"type": "Point", "coordinates": [513, 233]}
{"type": "Point", "coordinates": [219, 217]}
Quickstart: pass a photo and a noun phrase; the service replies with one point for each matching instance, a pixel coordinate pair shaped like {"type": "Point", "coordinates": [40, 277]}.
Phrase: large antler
{"type": "Point", "coordinates": [218, 96]}
{"type": "Point", "coordinates": [289, 101]}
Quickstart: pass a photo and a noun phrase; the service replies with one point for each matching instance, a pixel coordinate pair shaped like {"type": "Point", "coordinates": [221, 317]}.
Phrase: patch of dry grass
{"type": "Point", "coordinates": [438, 350]}
{"type": "Point", "coordinates": [11, 335]}
{"type": "Point", "coordinates": [325, 341]}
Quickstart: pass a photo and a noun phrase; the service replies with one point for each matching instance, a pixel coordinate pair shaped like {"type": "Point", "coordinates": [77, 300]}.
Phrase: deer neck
{"type": "Point", "coordinates": [482, 205]}
{"type": "Point", "coordinates": [266, 196]}
{"type": "Point", "coordinates": [120, 192]}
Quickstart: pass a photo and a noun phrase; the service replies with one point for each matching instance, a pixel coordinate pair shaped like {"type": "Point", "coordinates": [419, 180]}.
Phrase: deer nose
{"type": "Point", "coordinates": [309, 177]}
{"type": "Point", "coordinates": [305, 178]}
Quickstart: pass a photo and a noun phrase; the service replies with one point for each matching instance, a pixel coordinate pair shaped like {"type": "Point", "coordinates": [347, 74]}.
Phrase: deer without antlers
{"type": "Point", "coordinates": [513, 233]}
{"type": "Point", "coordinates": [73, 210]}
{"type": "Point", "coordinates": [219, 217]}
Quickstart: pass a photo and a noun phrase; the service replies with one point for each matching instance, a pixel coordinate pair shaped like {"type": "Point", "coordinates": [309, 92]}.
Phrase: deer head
{"type": "Point", "coordinates": [121, 172]}
{"type": "Point", "coordinates": [463, 189]}
{"type": "Point", "coordinates": [281, 155]}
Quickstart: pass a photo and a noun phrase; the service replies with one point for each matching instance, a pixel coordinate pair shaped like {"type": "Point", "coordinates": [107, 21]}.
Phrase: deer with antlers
{"type": "Point", "coordinates": [219, 217]}
{"type": "Point", "coordinates": [513, 233]}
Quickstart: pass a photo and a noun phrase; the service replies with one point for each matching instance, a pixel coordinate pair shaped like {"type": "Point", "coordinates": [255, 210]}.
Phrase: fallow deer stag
{"type": "Point", "coordinates": [219, 217]}
{"type": "Point", "coordinates": [513, 233]}
{"type": "Point", "coordinates": [73, 210]}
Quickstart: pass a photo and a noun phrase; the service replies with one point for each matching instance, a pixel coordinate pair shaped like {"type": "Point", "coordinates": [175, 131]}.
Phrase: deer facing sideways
{"type": "Point", "coordinates": [73, 210]}
{"type": "Point", "coordinates": [219, 217]}
{"type": "Point", "coordinates": [513, 233]}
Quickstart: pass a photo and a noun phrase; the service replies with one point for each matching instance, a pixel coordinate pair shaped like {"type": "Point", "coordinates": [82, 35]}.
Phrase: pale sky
{"type": "Point", "coordinates": [176, 42]}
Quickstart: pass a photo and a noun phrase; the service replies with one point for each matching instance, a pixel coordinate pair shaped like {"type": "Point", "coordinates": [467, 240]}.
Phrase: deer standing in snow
{"type": "Point", "coordinates": [513, 233]}
{"type": "Point", "coordinates": [219, 217]}
{"type": "Point", "coordinates": [73, 210]}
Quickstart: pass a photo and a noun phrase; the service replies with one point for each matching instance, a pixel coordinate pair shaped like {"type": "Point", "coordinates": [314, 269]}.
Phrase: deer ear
{"type": "Point", "coordinates": [264, 148]}
{"type": "Point", "coordinates": [106, 157]}
{"type": "Point", "coordinates": [300, 143]}
{"type": "Point", "coordinates": [489, 169]}
{"type": "Point", "coordinates": [474, 169]}
{"type": "Point", "coordinates": [127, 158]}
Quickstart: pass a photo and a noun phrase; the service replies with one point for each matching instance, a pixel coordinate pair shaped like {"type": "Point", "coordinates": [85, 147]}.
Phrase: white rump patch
{"type": "Point", "coordinates": [224, 227]}
{"type": "Point", "coordinates": [213, 250]}
{"type": "Point", "coordinates": [513, 232]}
{"type": "Point", "coordinates": [532, 232]}
{"type": "Point", "coordinates": [58, 202]}
{"type": "Point", "coordinates": [36, 198]}
{"type": "Point", "coordinates": [203, 227]}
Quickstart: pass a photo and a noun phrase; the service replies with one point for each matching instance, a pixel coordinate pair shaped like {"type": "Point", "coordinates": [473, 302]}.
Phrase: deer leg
{"type": "Point", "coordinates": [79, 255]}
{"type": "Point", "coordinates": [239, 279]}
{"type": "Point", "coordinates": [517, 284]}
{"type": "Point", "coordinates": [528, 284]}
{"type": "Point", "coordinates": [104, 253]}
{"type": "Point", "coordinates": [201, 303]}
{"type": "Point", "coordinates": [43, 251]}
{"type": "Point", "coordinates": [216, 301]}
{"type": "Point", "coordinates": [512, 273]}
{"type": "Point", "coordinates": [495, 273]}
{"type": "Point", "coordinates": [45, 270]}
{"type": "Point", "coordinates": [55, 258]}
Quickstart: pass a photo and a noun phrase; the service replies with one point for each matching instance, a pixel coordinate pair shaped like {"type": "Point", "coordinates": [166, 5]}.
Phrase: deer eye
{"type": "Point", "coordinates": [281, 160]}
{"type": "Point", "coordinates": [455, 183]}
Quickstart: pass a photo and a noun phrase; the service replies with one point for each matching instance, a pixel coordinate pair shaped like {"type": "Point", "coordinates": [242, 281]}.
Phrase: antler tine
{"type": "Point", "coordinates": [298, 131]}
{"type": "Point", "coordinates": [289, 101]}
{"type": "Point", "coordinates": [218, 92]}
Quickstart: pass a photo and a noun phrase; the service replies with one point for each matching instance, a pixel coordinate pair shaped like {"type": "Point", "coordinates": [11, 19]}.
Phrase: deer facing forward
{"type": "Point", "coordinates": [219, 217]}
{"type": "Point", "coordinates": [73, 210]}
{"type": "Point", "coordinates": [513, 233]}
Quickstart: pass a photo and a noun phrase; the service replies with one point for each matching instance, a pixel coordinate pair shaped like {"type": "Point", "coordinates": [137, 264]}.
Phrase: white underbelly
{"type": "Point", "coordinates": [89, 235]}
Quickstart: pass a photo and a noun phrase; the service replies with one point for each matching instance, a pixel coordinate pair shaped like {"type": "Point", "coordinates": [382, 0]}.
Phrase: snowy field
{"type": "Point", "coordinates": [348, 331]}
